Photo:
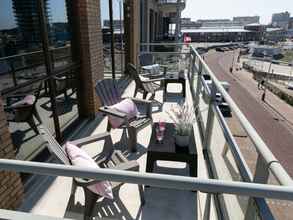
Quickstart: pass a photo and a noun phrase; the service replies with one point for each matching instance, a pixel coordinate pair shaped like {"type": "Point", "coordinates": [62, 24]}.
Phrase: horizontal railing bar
{"type": "Point", "coordinates": [56, 72]}
{"type": "Point", "coordinates": [162, 44]}
{"type": "Point", "coordinates": [157, 180]}
{"type": "Point", "coordinates": [155, 52]}
{"type": "Point", "coordinates": [31, 53]}
{"type": "Point", "coordinates": [276, 168]}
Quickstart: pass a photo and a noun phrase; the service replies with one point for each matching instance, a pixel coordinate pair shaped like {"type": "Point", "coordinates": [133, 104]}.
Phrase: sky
{"type": "Point", "coordinates": [210, 9]}
{"type": "Point", "coordinates": [206, 9]}
{"type": "Point", "coordinates": [57, 9]}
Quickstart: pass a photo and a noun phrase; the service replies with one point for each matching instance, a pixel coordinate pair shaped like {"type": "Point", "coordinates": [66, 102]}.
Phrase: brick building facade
{"type": "Point", "coordinates": [11, 188]}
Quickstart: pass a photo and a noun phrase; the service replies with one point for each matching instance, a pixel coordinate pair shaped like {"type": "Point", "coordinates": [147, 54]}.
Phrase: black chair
{"type": "Point", "coordinates": [23, 112]}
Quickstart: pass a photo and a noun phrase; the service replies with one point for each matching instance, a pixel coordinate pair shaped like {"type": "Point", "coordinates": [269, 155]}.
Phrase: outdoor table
{"type": "Point", "coordinates": [167, 150]}
{"type": "Point", "coordinates": [176, 78]}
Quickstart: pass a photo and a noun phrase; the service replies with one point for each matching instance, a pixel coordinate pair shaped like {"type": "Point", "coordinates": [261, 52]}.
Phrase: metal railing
{"type": "Point", "coordinates": [255, 187]}
{"type": "Point", "coordinates": [266, 161]}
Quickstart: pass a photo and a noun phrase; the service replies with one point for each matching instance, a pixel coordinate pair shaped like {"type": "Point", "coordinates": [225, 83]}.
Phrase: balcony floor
{"type": "Point", "coordinates": [52, 197]}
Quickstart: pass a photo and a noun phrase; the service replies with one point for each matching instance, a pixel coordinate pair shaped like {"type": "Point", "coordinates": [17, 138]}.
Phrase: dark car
{"type": "Point", "coordinates": [223, 105]}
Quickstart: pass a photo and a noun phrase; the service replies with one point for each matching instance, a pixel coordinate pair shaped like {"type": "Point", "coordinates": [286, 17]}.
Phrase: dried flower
{"type": "Point", "coordinates": [183, 117]}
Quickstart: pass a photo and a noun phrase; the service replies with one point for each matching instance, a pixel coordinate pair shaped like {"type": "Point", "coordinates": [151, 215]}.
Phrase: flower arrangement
{"type": "Point", "coordinates": [183, 117]}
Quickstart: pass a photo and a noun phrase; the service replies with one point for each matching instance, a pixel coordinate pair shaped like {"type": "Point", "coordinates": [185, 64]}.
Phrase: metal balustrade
{"type": "Point", "coordinates": [255, 187]}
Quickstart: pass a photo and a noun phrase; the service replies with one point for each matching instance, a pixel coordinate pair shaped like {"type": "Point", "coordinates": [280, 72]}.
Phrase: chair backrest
{"type": "Point", "coordinates": [146, 59]}
{"type": "Point", "coordinates": [53, 146]}
{"type": "Point", "coordinates": [134, 74]}
{"type": "Point", "coordinates": [108, 92]}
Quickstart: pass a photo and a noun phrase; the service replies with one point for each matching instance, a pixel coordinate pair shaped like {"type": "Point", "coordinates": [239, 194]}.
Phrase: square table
{"type": "Point", "coordinates": [169, 151]}
{"type": "Point", "coordinates": [175, 78]}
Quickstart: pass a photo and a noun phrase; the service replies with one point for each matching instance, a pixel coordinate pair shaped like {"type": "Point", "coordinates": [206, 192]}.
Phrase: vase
{"type": "Point", "coordinates": [182, 141]}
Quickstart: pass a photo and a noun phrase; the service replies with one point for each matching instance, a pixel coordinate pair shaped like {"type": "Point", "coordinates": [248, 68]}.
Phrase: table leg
{"type": "Point", "coordinates": [150, 163]}
{"type": "Point", "coordinates": [193, 167]}
{"type": "Point", "coordinates": [184, 89]}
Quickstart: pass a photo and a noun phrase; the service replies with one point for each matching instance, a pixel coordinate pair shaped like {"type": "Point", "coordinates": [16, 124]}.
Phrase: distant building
{"type": "Point", "coordinates": [281, 20]}
{"type": "Point", "coordinates": [275, 34]}
{"type": "Point", "coordinates": [26, 14]}
{"type": "Point", "coordinates": [266, 51]}
{"type": "Point", "coordinates": [290, 26]}
{"type": "Point", "coordinates": [117, 24]}
{"type": "Point", "coordinates": [232, 34]}
{"type": "Point", "coordinates": [187, 23]}
{"type": "Point", "coordinates": [217, 23]}
{"type": "Point", "coordinates": [245, 20]}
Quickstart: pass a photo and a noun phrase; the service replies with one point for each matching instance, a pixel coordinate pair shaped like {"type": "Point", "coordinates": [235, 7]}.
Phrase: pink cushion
{"type": "Point", "coordinates": [27, 100]}
{"type": "Point", "coordinates": [126, 106]}
{"type": "Point", "coordinates": [80, 158]}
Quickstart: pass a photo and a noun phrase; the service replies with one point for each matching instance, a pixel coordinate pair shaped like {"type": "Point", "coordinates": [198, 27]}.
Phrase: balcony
{"type": "Point", "coordinates": [171, 5]}
{"type": "Point", "coordinates": [233, 182]}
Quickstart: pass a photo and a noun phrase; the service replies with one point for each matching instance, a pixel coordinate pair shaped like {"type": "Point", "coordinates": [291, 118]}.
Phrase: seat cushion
{"type": "Point", "coordinates": [79, 157]}
{"type": "Point", "coordinates": [27, 100]}
{"type": "Point", "coordinates": [152, 69]}
{"type": "Point", "coordinates": [126, 106]}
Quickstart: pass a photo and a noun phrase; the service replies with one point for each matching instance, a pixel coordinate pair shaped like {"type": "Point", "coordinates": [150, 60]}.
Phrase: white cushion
{"type": "Point", "coordinates": [80, 158]}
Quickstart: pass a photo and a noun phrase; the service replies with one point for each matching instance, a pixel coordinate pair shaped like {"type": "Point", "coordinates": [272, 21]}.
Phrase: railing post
{"type": "Point", "coordinates": [261, 176]}
{"type": "Point", "coordinates": [12, 70]}
{"type": "Point", "coordinates": [210, 120]}
{"type": "Point", "coordinates": [198, 87]}
{"type": "Point", "coordinates": [207, 208]}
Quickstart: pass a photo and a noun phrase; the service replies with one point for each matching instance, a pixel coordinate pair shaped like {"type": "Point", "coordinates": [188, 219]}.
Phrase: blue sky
{"type": "Point", "coordinates": [57, 8]}
{"type": "Point", "coordinates": [195, 9]}
{"type": "Point", "coordinates": [208, 9]}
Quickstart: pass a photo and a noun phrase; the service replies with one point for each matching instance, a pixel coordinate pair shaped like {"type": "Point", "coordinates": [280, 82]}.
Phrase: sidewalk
{"type": "Point", "coordinates": [280, 109]}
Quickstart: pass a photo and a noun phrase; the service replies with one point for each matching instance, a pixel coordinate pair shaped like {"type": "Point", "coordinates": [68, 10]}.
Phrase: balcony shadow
{"type": "Point", "coordinates": [173, 97]}
{"type": "Point", "coordinates": [169, 204]}
{"type": "Point", "coordinates": [104, 209]}
{"type": "Point", "coordinates": [242, 200]}
{"type": "Point", "coordinates": [19, 137]}
{"type": "Point", "coordinates": [63, 105]}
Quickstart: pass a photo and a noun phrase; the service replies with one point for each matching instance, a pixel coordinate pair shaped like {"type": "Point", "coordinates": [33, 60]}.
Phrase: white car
{"type": "Point", "coordinates": [290, 85]}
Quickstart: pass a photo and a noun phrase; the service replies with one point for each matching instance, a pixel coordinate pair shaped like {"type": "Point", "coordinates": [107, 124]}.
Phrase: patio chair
{"type": "Point", "coordinates": [147, 59]}
{"type": "Point", "coordinates": [108, 94]}
{"type": "Point", "coordinates": [23, 112]}
{"type": "Point", "coordinates": [108, 158]}
{"type": "Point", "coordinates": [144, 85]}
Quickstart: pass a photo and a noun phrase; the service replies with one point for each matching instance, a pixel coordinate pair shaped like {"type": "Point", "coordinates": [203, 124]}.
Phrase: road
{"type": "Point", "coordinates": [276, 133]}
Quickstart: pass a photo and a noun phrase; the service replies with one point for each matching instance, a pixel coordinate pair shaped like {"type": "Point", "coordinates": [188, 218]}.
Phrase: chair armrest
{"type": "Point", "coordinates": [142, 101]}
{"type": "Point", "coordinates": [147, 103]}
{"type": "Point", "coordinates": [153, 80]}
{"type": "Point", "coordinates": [90, 139]}
{"type": "Point", "coordinates": [16, 96]}
{"type": "Point", "coordinates": [111, 111]}
{"type": "Point", "coordinates": [60, 78]}
{"type": "Point", "coordinates": [131, 165]}
{"type": "Point", "coordinates": [18, 107]}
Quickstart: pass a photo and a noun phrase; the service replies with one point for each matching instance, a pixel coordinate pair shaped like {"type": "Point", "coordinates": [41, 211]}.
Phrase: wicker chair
{"type": "Point", "coordinates": [25, 112]}
{"type": "Point", "coordinates": [109, 158]}
{"type": "Point", "coordinates": [109, 95]}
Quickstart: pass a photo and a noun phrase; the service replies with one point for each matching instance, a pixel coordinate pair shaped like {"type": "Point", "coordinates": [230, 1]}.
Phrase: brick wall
{"type": "Point", "coordinates": [88, 35]}
{"type": "Point", "coordinates": [11, 188]}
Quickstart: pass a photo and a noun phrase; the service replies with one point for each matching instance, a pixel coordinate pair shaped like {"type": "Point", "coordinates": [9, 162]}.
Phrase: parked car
{"type": "Point", "coordinates": [290, 85]}
{"type": "Point", "coordinates": [219, 49]}
{"type": "Point", "coordinates": [223, 105]}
